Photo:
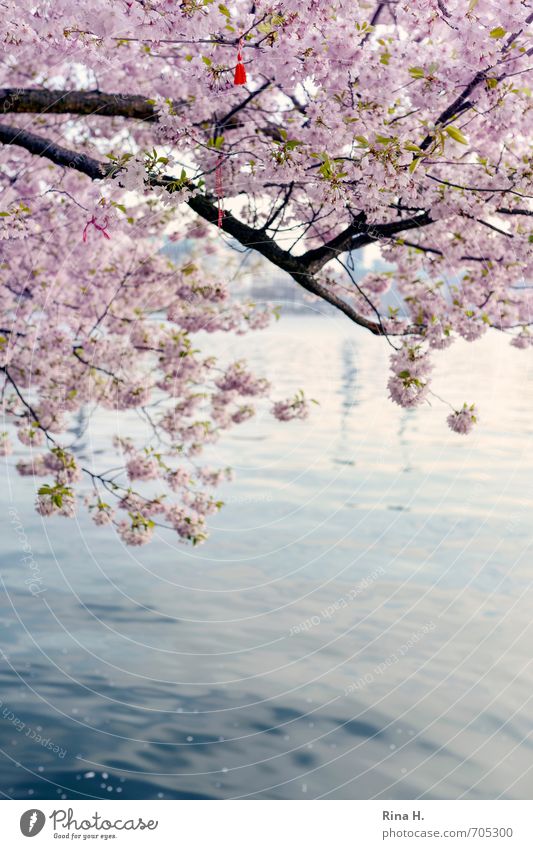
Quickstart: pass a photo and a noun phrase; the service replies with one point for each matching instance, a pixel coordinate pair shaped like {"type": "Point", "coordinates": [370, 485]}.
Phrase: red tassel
{"type": "Point", "coordinates": [240, 70]}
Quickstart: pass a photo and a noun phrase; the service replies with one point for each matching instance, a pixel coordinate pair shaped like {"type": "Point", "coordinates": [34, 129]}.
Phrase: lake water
{"type": "Point", "coordinates": [359, 624]}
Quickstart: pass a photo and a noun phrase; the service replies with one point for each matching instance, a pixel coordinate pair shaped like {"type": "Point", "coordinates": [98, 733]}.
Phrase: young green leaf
{"type": "Point", "coordinates": [456, 134]}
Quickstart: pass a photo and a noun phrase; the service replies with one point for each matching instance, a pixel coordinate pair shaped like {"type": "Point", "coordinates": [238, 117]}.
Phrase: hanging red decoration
{"type": "Point", "coordinates": [100, 227]}
{"type": "Point", "coordinates": [219, 189]}
{"type": "Point", "coordinates": [240, 70]}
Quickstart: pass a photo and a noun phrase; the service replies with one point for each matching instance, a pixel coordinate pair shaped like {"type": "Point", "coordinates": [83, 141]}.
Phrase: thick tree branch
{"type": "Point", "coordinates": [245, 235]}
{"type": "Point", "coordinates": [358, 235]}
{"type": "Point", "coordinates": [256, 239]}
{"type": "Point", "coordinates": [36, 100]}
{"type": "Point", "coordinates": [94, 103]}
{"type": "Point", "coordinates": [54, 152]}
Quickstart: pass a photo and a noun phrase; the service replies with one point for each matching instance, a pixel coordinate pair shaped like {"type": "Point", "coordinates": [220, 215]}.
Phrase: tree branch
{"type": "Point", "coordinates": [250, 237]}
{"type": "Point", "coordinates": [460, 104]}
{"type": "Point", "coordinates": [37, 100]}
{"type": "Point", "coordinates": [202, 205]}
{"type": "Point", "coordinates": [41, 101]}
{"type": "Point", "coordinates": [359, 234]}
{"type": "Point", "coordinates": [54, 152]}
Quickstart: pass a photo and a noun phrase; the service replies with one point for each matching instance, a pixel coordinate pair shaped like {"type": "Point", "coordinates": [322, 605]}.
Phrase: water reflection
{"type": "Point", "coordinates": [357, 626]}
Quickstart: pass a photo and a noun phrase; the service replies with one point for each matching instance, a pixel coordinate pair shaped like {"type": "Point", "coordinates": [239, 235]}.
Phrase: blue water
{"type": "Point", "coordinates": [358, 625]}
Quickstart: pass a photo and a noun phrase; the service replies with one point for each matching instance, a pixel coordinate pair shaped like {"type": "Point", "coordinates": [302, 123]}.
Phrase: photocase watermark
{"type": "Point", "coordinates": [32, 822]}
{"type": "Point", "coordinates": [64, 820]}
{"type": "Point", "coordinates": [248, 499]}
{"type": "Point", "coordinates": [391, 660]}
{"type": "Point", "coordinates": [65, 825]}
{"type": "Point", "coordinates": [29, 732]}
{"type": "Point", "coordinates": [342, 602]}
{"type": "Point", "coordinates": [34, 579]}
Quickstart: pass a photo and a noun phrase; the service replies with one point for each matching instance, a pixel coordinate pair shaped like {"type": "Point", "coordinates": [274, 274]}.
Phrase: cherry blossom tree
{"type": "Point", "coordinates": [301, 131]}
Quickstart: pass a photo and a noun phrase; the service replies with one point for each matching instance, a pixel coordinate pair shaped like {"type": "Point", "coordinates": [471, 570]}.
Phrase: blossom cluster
{"type": "Point", "coordinates": [113, 331]}
{"type": "Point", "coordinates": [409, 382]}
{"type": "Point", "coordinates": [405, 127]}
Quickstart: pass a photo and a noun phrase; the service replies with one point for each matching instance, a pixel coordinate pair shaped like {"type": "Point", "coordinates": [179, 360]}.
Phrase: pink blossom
{"type": "Point", "coordinates": [213, 477]}
{"type": "Point", "coordinates": [177, 479]}
{"type": "Point", "coordinates": [135, 533]}
{"type": "Point", "coordinates": [408, 386]}
{"type": "Point", "coordinates": [63, 464]}
{"type": "Point", "coordinates": [46, 505]}
{"type": "Point", "coordinates": [35, 466]}
{"type": "Point", "coordinates": [30, 436]}
{"type": "Point", "coordinates": [102, 516]}
{"type": "Point", "coordinates": [462, 421]}
{"type": "Point", "coordinates": [188, 523]}
{"type": "Point", "coordinates": [291, 408]}
{"type": "Point", "coordinates": [135, 396]}
{"type": "Point", "coordinates": [238, 379]}
{"type": "Point", "coordinates": [243, 414]}
{"type": "Point", "coordinates": [6, 446]}
{"type": "Point", "coordinates": [407, 391]}
{"type": "Point", "coordinates": [142, 467]}
{"type": "Point", "coordinates": [522, 340]}
{"type": "Point", "coordinates": [116, 283]}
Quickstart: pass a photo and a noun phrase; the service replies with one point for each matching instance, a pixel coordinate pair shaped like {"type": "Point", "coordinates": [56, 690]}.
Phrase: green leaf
{"type": "Point", "coordinates": [417, 73]}
{"type": "Point", "coordinates": [498, 32]}
{"type": "Point", "coordinates": [216, 143]}
{"type": "Point", "coordinates": [456, 134]}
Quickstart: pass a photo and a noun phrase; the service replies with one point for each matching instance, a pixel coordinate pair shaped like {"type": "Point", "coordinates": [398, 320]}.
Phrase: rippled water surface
{"type": "Point", "coordinates": [358, 625]}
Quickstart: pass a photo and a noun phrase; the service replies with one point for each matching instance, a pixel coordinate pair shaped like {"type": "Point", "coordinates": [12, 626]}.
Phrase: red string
{"type": "Point", "coordinates": [100, 227]}
{"type": "Point", "coordinates": [219, 189]}
{"type": "Point", "coordinates": [240, 70]}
